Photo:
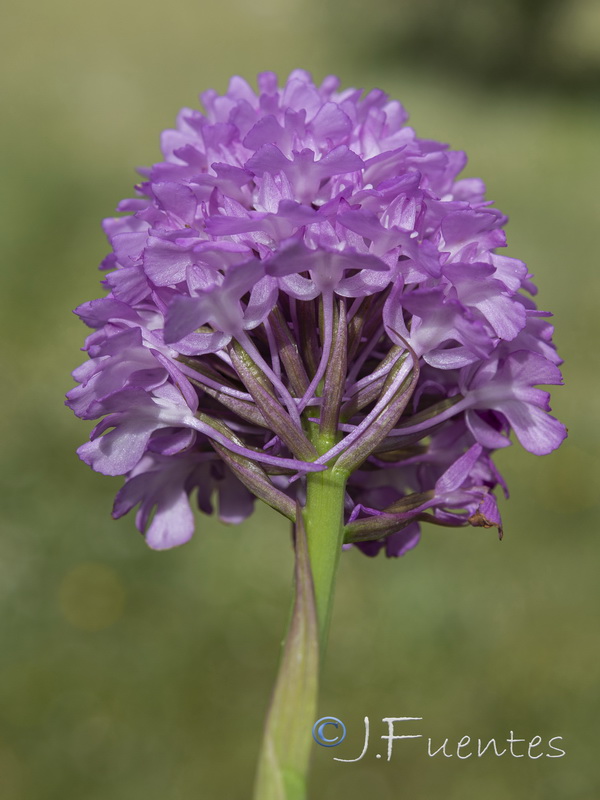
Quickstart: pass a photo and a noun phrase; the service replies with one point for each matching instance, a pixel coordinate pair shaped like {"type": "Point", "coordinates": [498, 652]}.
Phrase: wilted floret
{"type": "Point", "coordinates": [303, 283]}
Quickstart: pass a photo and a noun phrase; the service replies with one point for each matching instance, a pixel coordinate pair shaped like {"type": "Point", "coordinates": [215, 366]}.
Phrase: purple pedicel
{"type": "Point", "coordinates": [299, 262]}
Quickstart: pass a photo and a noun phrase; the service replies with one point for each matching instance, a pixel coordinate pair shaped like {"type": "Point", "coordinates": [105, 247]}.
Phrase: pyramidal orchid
{"type": "Point", "coordinates": [306, 304]}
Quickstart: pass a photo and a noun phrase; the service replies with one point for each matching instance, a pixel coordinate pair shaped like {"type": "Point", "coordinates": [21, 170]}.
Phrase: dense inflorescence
{"type": "Point", "coordinates": [303, 284]}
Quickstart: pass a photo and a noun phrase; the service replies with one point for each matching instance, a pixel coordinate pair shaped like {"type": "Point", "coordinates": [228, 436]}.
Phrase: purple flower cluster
{"type": "Point", "coordinates": [303, 284]}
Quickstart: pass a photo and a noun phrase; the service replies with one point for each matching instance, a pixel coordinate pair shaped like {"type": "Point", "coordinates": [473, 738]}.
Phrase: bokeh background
{"type": "Point", "coordinates": [127, 674]}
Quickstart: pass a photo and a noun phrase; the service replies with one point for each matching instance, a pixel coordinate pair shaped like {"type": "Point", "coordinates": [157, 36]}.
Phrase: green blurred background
{"type": "Point", "coordinates": [128, 674]}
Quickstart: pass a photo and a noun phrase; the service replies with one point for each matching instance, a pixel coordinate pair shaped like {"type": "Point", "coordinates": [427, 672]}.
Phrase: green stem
{"type": "Point", "coordinates": [284, 760]}
{"type": "Point", "coordinates": [324, 522]}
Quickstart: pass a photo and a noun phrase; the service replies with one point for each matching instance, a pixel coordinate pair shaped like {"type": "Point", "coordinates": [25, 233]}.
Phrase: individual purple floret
{"type": "Point", "coordinates": [304, 285]}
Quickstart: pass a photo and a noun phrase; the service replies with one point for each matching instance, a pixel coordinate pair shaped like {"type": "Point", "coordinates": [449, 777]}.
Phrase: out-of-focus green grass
{"type": "Point", "coordinates": [129, 674]}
